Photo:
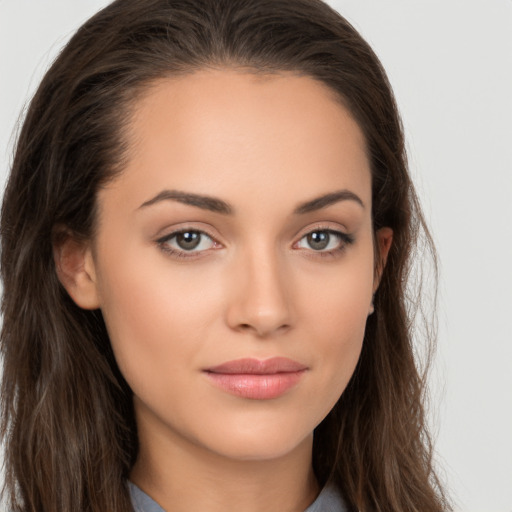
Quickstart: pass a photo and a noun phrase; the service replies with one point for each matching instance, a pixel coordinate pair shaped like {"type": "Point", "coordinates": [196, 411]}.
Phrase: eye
{"type": "Point", "coordinates": [324, 240]}
{"type": "Point", "coordinates": [186, 241]}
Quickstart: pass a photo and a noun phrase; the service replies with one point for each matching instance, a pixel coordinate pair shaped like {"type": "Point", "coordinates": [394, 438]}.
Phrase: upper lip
{"type": "Point", "coordinates": [258, 367]}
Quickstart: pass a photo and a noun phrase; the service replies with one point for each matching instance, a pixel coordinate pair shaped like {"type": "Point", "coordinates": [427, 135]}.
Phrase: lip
{"type": "Point", "coordinates": [257, 379]}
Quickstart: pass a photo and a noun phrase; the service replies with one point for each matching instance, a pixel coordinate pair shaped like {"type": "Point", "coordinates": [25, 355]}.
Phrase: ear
{"type": "Point", "coordinates": [74, 265]}
{"type": "Point", "coordinates": [384, 238]}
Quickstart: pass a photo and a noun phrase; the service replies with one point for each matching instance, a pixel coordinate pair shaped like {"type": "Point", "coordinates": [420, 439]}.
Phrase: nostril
{"type": "Point", "coordinates": [284, 327]}
{"type": "Point", "coordinates": [262, 330]}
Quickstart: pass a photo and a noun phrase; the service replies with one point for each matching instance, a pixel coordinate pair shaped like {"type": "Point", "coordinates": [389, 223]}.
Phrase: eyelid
{"type": "Point", "coordinates": [346, 239]}
{"type": "Point", "coordinates": [162, 242]}
{"type": "Point", "coordinates": [322, 226]}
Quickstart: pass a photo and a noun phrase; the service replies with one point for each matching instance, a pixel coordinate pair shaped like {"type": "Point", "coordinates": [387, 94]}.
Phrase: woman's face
{"type": "Point", "coordinates": [234, 260]}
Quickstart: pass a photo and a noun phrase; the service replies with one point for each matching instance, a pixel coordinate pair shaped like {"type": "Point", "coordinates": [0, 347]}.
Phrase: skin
{"type": "Point", "coordinates": [254, 287]}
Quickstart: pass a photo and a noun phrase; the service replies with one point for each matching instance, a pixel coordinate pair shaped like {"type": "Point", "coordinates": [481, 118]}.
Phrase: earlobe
{"type": "Point", "coordinates": [74, 265]}
{"type": "Point", "coordinates": [384, 239]}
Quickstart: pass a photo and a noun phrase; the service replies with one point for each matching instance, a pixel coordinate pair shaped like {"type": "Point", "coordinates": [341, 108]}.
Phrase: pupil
{"type": "Point", "coordinates": [188, 240]}
{"type": "Point", "coordinates": [318, 239]}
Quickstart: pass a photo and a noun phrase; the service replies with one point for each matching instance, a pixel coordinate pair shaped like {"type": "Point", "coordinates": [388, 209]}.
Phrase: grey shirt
{"type": "Point", "coordinates": [329, 500]}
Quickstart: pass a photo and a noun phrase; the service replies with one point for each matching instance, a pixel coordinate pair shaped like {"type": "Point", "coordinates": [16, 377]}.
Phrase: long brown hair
{"type": "Point", "coordinates": [67, 415]}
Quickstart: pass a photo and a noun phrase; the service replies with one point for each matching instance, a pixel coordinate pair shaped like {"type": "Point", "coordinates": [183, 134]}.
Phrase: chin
{"type": "Point", "coordinates": [258, 443]}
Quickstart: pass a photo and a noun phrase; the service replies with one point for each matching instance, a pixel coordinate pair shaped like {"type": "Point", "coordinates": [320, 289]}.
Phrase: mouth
{"type": "Point", "coordinates": [255, 379]}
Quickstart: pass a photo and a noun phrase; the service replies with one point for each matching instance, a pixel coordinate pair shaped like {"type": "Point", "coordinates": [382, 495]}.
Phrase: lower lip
{"type": "Point", "coordinates": [256, 387]}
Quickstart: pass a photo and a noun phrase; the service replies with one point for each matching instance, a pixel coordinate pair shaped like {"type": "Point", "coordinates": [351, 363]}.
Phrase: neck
{"type": "Point", "coordinates": [181, 475]}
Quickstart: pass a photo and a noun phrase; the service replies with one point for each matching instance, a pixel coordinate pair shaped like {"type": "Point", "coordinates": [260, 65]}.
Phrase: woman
{"type": "Point", "coordinates": [206, 237]}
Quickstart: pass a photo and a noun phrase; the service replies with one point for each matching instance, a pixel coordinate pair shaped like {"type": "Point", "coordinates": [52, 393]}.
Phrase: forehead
{"type": "Point", "coordinates": [231, 132]}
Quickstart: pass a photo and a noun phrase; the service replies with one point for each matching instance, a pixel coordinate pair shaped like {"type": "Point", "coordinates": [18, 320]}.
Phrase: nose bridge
{"type": "Point", "coordinates": [261, 301]}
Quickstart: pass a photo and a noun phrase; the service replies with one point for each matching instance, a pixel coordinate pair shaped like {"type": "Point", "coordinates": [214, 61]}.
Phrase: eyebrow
{"type": "Point", "coordinates": [205, 202]}
{"type": "Point", "coordinates": [328, 200]}
{"type": "Point", "coordinates": [219, 206]}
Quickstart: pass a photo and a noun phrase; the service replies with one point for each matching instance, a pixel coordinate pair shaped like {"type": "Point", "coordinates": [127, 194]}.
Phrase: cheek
{"type": "Point", "coordinates": [337, 313]}
{"type": "Point", "coordinates": [159, 317]}
{"type": "Point", "coordinates": [340, 297]}
{"type": "Point", "coordinates": [142, 313]}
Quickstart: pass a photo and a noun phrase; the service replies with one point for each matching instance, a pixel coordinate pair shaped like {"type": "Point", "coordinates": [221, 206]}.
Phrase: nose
{"type": "Point", "coordinates": [260, 298]}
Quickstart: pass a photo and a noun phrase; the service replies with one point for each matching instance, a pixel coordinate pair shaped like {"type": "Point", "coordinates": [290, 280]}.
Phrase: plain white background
{"type": "Point", "coordinates": [450, 63]}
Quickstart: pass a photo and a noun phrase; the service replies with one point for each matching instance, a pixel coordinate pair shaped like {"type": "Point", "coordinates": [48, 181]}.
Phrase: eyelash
{"type": "Point", "coordinates": [163, 243]}
{"type": "Point", "coordinates": [344, 238]}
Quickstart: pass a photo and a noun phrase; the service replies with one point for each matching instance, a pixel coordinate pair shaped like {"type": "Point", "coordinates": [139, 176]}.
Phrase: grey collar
{"type": "Point", "coordinates": [329, 500]}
